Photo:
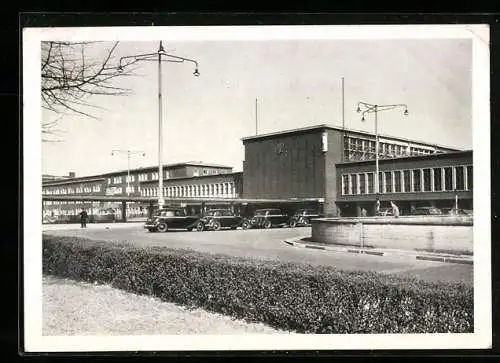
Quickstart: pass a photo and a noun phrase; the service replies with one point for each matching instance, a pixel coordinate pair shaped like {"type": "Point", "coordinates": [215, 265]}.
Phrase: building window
{"type": "Point", "coordinates": [438, 175]}
{"type": "Point", "coordinates": [388, 182]}
{"type": "Point", "coordinates": [427, 180]}
{"type": "Point", "coordinates": [416, 180]}
{"type": "Point", "coordinates": [354, 182]}
{"type": "Point", "coordinates": [469, 177]}
{"type": "Point", "coordinates": [345, 184]}
{"type": "Point", "coordinates": [362, 183]}
{"type": "Point", "coordinates": [370, 188]}
{"type": "Point", "coordinates": [448, 179]}
{"type": "Point", "coordinates": [459, 178]}
{"type": "Point", "coordinates": [397, 181]}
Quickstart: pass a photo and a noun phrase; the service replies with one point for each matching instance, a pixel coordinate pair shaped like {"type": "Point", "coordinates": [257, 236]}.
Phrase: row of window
{"type": "Point", "coordinates": [72, 190]}
{"type": "Point", "coordinates": [356, 148]}
{"type": "Point", "coordinates": [154, 176]}
{"type": "Point", "coordinates": [205, 190]}
{"type": "Point", "coordinates": [410, 180]}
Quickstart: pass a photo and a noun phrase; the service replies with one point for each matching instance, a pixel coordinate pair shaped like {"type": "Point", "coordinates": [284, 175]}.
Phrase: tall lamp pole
{"type": "Point", "coordinates": [365, 108]}
{"type": "Point", "coordinates": [160, 56]}
{"type": "Point", "coordinates": [128, 153]}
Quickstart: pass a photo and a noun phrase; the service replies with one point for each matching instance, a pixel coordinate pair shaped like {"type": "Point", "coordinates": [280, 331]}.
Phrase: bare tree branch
{"type": "Point", "coordinates": [70, 78]}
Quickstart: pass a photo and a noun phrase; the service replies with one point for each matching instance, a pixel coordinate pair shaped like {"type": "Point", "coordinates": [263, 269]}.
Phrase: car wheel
{"type": "Point", "coordinates": [200, 227]}
{"type": "Point", "coordinates": [293, 223]}
{"type": "Point", "coordinates": [162, 227]}
{"type": "Point", "coordinates": [245, 225]}
{"type": "Point", "coordinates": [216, 225]}
{"type": "Point", "coordinates": [267, 224]}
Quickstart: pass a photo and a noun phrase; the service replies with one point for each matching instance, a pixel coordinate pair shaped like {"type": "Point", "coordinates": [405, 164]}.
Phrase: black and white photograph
{"type": "Point", "coordinates": [256, 188]}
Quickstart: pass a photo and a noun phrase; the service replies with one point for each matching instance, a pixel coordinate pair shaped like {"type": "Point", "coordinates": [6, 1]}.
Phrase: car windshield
{"type": "Point", "coordinates": [166, 213]}
{"type": "Point", "coordinates": [171, 213]}
{"type": "Point", "coordinates": [216, 213]}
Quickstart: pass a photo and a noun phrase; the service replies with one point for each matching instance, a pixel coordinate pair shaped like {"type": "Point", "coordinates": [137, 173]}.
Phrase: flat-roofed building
{"type": "Point", "coordinates": [302, 163]}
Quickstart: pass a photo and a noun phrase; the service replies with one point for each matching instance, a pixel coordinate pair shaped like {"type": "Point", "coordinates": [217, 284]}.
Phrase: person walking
{"type": "Point", "coordinates": [395, 209]}
{"type": "Point", "coordinates": [83, 218]}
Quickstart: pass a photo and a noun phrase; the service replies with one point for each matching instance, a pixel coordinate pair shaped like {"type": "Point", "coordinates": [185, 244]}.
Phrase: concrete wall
{"type": "Point", "coordinates": [440, 234]}
{"type": "Point", "coordinates": [333, 156]}
{"type": "Point", "coordinates": [284, 166]}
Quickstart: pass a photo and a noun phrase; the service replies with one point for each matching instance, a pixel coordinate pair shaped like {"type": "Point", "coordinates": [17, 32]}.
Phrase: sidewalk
{"type": "Point", "coordinates": [419, 255]}
{"type": "Point", "coordinates": [70, 226]}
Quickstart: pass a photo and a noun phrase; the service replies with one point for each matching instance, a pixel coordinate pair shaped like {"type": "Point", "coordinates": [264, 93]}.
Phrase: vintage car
{"type": "Point", "coordinates": [302, 217]}
{"type": "Point", "coordinates": [216, 219]}
{"type": "Point", "coordinates": [105, 216]}
{"type": "Point", "coordinates": [267, 218]}
{"type": "Point", "coordinates": [384, 212]}
{"type": "Point", "coordinates": [426, 211]}
{"type": "Point", "coordinates": [171, 218]}
{"type": "Point", "coordinates": [456, 212]}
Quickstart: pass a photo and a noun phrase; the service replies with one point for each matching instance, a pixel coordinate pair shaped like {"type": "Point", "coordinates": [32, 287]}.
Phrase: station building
{"type": "Point", "coordinates": [336, 167]}
{"type": "Point", "coordinates": [323, 167]}
{"type": "Point", "coordinates": [181, 180]}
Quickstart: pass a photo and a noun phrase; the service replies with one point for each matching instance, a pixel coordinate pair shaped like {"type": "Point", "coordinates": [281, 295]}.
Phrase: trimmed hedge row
{"type": "Point", "coordinates": [294, 297]}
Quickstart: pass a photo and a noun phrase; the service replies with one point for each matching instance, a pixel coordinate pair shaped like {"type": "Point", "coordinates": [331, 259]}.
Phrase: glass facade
{"type": "Point", "coordinates": [363, 148]}
{"type": "Point", "coordinates": [416, 180]}
{"type": "Point", "coordinates": [427, 180]}
{"type": "Point", "coordinates": [448, 179]}
{"type": "Point", "coordinates": [410, 180]}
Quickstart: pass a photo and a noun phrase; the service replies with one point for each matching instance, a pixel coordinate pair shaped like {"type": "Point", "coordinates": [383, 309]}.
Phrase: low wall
{"type": "Point", "coordinates": [453, 234]}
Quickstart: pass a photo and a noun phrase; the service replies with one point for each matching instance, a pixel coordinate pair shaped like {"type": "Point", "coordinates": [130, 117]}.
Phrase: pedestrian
{"type": "Point", "coordinates": [83, 218]}
{"type": "Point", "coordinates": [377, 207]}
{"type": "Point", "coordinates": [363, 212]}
{"type": "Point", "coordinates": [395, 209]}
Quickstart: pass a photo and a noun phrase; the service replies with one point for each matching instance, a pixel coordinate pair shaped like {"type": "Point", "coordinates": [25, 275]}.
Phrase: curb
{"type": "Point", "coordinates": [297, 242]}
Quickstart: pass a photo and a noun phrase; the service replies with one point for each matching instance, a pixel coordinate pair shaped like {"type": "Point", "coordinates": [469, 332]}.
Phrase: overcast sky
{"type": "Point", "coordinates": [297, 83]}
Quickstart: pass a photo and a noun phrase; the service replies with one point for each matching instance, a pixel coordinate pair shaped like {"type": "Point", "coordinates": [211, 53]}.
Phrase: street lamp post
{"type": "Point", "coordinates": [129, 153]}
{"type": "Point", "coordinates": [366, 108]}
{"type": "Point", "coordinates": [160, 56]}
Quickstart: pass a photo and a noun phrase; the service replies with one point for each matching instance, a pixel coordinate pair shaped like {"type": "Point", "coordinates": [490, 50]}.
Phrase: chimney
{"type": "Point", "coordinates": [71, 174]}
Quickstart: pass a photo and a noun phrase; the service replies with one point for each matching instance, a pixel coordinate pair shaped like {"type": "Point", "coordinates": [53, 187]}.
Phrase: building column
{"type": "Point", "coordinates": [124, 211]}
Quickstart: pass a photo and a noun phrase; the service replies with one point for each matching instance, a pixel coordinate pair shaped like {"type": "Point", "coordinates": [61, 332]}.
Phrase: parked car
{"type": "Point", "coordinates": [302, 217]}
{"type": "Point", "coordinates": [105, 216]}
{"type": "Point", "coordinates": [385, 212]}
{"type": "Point", "coordinates": [171, 218]}
{"type": "Point", "coordinates": [49, 219]}
{"type": "Point", "coordinates": [456, 212]}
{"type": "Point", "coordinates": [426, 211]}
{"type": "Point", "coordinates": [216, 219]}
{"type": "Point", "coordinates": [267, 218]}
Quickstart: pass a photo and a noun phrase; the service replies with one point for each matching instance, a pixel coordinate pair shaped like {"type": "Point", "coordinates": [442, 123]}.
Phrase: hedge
{"type": "Point", "coordinates": [293, 297]}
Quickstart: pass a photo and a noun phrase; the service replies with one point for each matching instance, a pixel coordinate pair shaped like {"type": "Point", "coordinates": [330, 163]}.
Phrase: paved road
{"type": "Point", "coordinates": [268, 244]}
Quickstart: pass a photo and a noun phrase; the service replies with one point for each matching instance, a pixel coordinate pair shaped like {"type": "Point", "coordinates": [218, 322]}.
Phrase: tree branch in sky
{"type": "Point", "coordinates": [71, 77]}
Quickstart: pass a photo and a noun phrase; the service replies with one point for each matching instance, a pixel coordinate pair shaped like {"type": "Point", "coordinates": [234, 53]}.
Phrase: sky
{"type": "Point", "coordinates": [297, 84]}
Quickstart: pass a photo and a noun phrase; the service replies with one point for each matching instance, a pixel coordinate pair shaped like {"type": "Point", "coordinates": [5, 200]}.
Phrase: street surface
{"type": "Point", "coordinates": [269, 245]}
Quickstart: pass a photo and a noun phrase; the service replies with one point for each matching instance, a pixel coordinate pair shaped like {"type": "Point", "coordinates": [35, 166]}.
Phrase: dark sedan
{"type": "Point", "coordinates": [217, 219]}
{"type": "Point", "coordinates": [303, 217]}
{"type": "Point", "coordinates": [267, 218]}
{"type": "Point", "coordinates": [171, 218]}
